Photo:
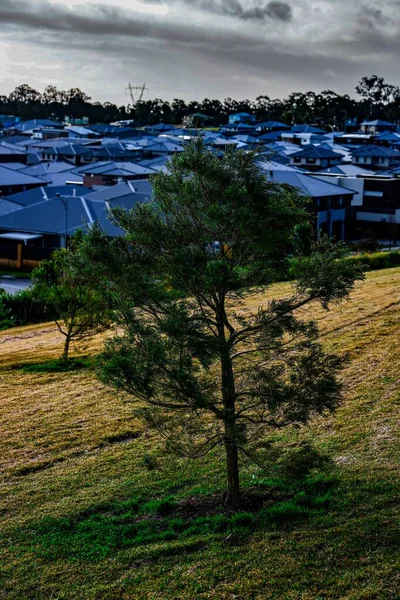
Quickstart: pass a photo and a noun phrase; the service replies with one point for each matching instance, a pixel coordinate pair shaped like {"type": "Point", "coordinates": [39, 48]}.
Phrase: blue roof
{"type": "Point", "coordinates": [306, 129]}
{"type": "Point", "coordinates": [10, 177]}
{"type": "Point", "coordinates": [247, 139]}
{"type": "Point", "coordinates": [27, 126]}
{"type": "Point", "coordinates": [309, 186]}
{"type": "Point", "coordinates": [347, 170]}
{"type": "Point", "coordinates": [271, 136]}
{"type": "Point", "coordinates": [311, 151]}
{"type": "Point", "coordinates": [119, 169]}
{"type": "Point", "coordinates": [272, 124]}
{"type": "Point", "coordinates": [378, 123]}
{"type": "Point", "coordinates": [48, 217]}
{"type": "Point", "coordinates": [376, 151]}
{"type": "Point", "coordinates": [39, 194]}
{"type": "Point", "coordinates": [388, 136]}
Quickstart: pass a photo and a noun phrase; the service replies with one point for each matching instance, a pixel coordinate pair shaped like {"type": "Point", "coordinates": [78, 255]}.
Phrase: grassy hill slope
{"type": "Point", "coordinates": [91, 508]}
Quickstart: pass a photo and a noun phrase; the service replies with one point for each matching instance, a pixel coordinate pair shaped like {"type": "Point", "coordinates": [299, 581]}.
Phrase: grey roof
{"type": "Point", "coordinates": [120, 169]}
{"type": "Point", "coordinates": [378, 123]}
{"type": "Point", "coordinates": [39, 194]}
{"type": "Point", "coordinates": [311, 151]}
{"type": "Point", "coordinates": [349, 170]}
{"type": "Point", "coordinates": [47, 168]}
{"type": "Point", "coordinates": [6, 149]}
{"type": "Point", "coordinates": [127, 188]}
{"type": "Point", "coordinates": [376, 151]}
{"type": "Point", "coordinates": [28, 126]}
{"type": "Point", "coordinates": [271, 165]}
{"type": "Point", "coordinates": [306, 129]}
{"type": "Point", "coordinates": [49, 217]}
{"type": "Point", "coordinates": [10, 177]}
{"type": "Point", "coordinates": [14, 166]}
{"type": "Point", "coordinates": [7, 207]}
{"type": "Point", "coordinates": [309, 186]}
{"type": "Point", "coordinates": [247, 139]}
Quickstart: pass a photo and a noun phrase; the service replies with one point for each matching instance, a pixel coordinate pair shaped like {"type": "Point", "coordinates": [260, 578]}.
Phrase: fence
{"type": "Point", "coordinates": [18, 256]}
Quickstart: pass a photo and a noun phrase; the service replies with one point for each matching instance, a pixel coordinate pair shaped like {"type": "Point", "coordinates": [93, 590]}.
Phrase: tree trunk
{"type": "Point", "coordinates": [232, 467]}
{"type": "Point", "coordinates": [229, 400]}
{"type": "Point", "coordinates": [65, 354]}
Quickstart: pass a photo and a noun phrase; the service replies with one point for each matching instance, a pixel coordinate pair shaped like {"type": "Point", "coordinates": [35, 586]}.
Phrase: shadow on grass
{"type": "Point", "coordinates": [168, 526]}
{"type": "Point", "coordinates": [56, 366]}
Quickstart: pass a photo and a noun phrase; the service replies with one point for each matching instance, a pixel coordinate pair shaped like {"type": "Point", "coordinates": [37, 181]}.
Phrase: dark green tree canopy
{"type": "Point", "coordinates": [202, 367]}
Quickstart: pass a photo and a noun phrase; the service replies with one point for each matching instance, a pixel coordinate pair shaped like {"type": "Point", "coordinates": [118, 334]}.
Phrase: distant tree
{"type": "Point", "coordinates": [24, 94]}
{"type": "Point", "coordinates": [376, 92]}
{"type": "Point", "coordinates": [80, 310]}
{"type": "Point", "coordinates": [208, 371]}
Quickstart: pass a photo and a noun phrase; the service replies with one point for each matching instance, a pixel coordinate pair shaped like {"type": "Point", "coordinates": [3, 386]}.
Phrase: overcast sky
{"type": "Point", "coordinates": [193, 49]}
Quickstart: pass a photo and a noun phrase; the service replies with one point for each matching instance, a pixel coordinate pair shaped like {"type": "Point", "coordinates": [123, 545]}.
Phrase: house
{"type": "Point", "coordinates": [315, 158]}
{"type": "Point", "coordinates": [347, 171]}
{"type": "Point", "coordinates": [110, 173]}
{"type": "Point", "coordinates": [353, 139]}
{"type": "Point", "coordinates": [376, 127]}
{"type": "Point", "coordinates": [76, 131]}
{"type": "Point", "coordinates": [12, 181]}
{"type": "Point", "coordinates": [376, 157]}
{"type": "Point", "coordinates": [50, 220]}
{"type": "Point", "coordinates": [330, 202]}
{"type": "Point", "coordinates": [302, 139]}
{"type": "Point", "coordinates": [197, 120]}
{"type": "Point", "coordinates": [246, 139]}
{"type": "Point", "coordinates": [270, 126]}
{"type": "Point", "coordinates": [28, 127]}
{"type": "Point", "coordinates": [39, 194]}
{"type": "Point", "coordinates": [388, 138]}
{"type": "Point", "coordinates": [307, 129]}
{"type": "Point", "coordinates": [242, 117]}
{"type": "Point", "coordinates": [9, 153]}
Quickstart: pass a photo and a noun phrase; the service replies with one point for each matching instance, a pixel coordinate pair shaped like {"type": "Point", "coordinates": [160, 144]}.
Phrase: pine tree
{"type": "Point", "coordinates": [204, 369]}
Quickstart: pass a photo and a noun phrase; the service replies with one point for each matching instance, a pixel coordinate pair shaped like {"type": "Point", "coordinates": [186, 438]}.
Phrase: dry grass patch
{"type": "Point", "coordinates": [79, 503]}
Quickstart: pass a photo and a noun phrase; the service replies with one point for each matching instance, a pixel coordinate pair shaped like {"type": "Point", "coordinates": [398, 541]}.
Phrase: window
{"type": "Point", "coordinates": [311, 161]}
{"type": "Point", "coordinates": [297, 159]}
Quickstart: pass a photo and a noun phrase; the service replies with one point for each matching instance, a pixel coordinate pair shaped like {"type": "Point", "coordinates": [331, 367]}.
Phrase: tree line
{"type": "Point", "coordinates": [378, 99]}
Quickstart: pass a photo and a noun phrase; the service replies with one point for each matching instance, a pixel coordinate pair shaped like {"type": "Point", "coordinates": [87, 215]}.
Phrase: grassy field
{"type": "Point", "coordinates": [92, 509]}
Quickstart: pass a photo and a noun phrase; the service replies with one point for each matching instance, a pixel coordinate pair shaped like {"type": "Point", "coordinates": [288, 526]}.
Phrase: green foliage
{"type": "Point", "coordinates": [79, 310]}
{"type": "Point", "coordinates": [55, 366]}
{"type": "Point", "coordinates": [377, 260]}
{"type": "Point", "coordinates": [298, 463]}
{"type": "Point", "coordinates": [24, 308]}
{"type": "Point", "coordinates": [215, 231]}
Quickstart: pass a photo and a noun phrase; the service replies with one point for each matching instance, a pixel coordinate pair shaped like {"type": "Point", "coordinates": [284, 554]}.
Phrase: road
{"type": "Point", "coordinates": [13, 285]}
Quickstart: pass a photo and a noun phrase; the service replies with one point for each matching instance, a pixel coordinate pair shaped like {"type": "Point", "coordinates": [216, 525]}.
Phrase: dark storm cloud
{"type": "Point", "coordinates": [234, 47]}
{"type": "Point", "coordinates": [245, 11]}
{"type": "Point", "coordinates": [103, 20]}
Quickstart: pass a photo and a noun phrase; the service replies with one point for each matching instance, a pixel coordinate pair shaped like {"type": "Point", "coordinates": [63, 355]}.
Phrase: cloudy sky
{"type": "Point", "coordinates": [197, 48]}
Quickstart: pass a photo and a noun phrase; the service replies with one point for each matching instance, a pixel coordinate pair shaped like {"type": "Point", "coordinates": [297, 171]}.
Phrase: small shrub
{"type": "Point", "coordinates": [149, 462]}
{"type": "Point", "coordinates": [160, 507]}
{"type": "Point", "coordinates": [297, 463]}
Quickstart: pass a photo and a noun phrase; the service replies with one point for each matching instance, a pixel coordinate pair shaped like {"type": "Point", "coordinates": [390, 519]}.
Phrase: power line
{"type": "Point", "coordinates": [137, 89]}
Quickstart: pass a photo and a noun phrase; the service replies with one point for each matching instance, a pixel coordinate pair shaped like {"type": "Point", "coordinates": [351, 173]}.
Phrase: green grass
{"type": "Point", "coordinates": [91, 507]}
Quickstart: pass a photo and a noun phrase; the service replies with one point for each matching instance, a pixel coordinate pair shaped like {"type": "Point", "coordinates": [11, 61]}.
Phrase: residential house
{"type": "Point", "coordinates": [315, 158]}
{"type": "Point", "coordinates": [376, 127]}
{"type": "Point", "coordinates": [12, 181]}
{"type": "Point", "coordinates": [110, 173]}
{"type": "Point", "coordinates": [330, 202]}
{"type": "Point", "coordinates": [376, 157]}
{"type": "Point", "coordinates": [270, 126]}
{"type": "Point", "coordinates": [242, 117]}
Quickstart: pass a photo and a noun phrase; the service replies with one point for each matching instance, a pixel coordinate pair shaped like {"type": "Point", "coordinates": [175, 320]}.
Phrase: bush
{"type": "Point", "coordinates": [378, 260]}
{"type": "Point", "coordinates": [298, 463]}
{"type": "Point", "coordinates": [25, 308]}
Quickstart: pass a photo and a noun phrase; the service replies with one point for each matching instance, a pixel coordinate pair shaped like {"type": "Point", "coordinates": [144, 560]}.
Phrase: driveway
{"type": "Point", "coordinates": [13, 285]}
